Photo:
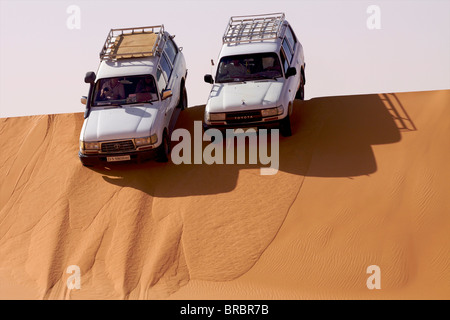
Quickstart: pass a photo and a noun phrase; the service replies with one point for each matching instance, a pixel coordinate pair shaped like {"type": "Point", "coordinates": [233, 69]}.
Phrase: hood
{"type": "Point", "coordinates": [120, 122]}
{"type": "Point", "coordinates": [227, 97]}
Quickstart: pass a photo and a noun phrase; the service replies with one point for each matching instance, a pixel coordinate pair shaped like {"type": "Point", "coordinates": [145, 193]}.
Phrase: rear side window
{"type": "Point", "coordinates": [290, 37]}
{"type": "Point", "coordinates": [170, 50]}
{"type": "Point", "coordinates": [287, 51]}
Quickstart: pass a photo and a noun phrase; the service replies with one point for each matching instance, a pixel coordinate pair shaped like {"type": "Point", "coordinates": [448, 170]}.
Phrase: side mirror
{"type": "Point", "coordinates": [208, 78]}
{"type": "Point", "coordinates": [90, 77]}
{"type": "Point", "coordinates": [291, 72]}
{"type": "Point", "coordinates": [166, 94]}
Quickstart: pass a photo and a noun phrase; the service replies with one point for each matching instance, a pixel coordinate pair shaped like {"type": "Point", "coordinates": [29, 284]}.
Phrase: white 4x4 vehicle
{"type": "Point", "coordinates": [132, 103]}
{"type": "Point", "coordinates": [261, 71]}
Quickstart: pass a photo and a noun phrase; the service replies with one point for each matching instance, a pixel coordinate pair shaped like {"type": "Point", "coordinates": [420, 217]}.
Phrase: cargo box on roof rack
{"type": "Point", "coordinates": [132, 43]}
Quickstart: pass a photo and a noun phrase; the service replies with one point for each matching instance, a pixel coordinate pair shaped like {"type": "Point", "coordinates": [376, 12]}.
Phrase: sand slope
{"type": "Point", "coordinates": [363, 181]}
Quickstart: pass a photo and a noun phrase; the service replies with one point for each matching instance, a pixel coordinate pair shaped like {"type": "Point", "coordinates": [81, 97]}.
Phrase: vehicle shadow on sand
{"type": "Point", "coordinates": [332, 137]}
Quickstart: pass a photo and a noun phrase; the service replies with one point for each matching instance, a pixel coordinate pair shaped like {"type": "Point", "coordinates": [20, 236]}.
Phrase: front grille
{"type": "Point", "coordinates": [243, 116]}
{"type": "Point", "coordinates": [118, 146]}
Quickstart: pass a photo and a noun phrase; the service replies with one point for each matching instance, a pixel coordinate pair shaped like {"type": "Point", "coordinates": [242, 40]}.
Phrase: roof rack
{"type": "Point", "coordinates": [253, 28]}
{"type": "Point", "coordinates": [132, 43]}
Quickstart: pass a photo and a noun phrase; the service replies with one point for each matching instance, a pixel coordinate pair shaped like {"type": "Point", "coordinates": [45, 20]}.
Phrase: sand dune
{"type": "Point", "coordinates": [363, 181]}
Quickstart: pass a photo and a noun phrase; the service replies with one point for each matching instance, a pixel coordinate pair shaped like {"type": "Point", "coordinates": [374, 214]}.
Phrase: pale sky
{"type": "Point", "coordinates": [43, 62]}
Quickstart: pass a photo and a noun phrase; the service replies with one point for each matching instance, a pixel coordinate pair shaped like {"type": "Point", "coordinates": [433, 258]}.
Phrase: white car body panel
{"type": "Point", "coordinates": [232, 97]}
{"type": "Point", "coordinates": [126, 67]}
{"type": "Point", "coordinates": [248, 48]}
{"type": "Point", "coordinates": [119, 123]}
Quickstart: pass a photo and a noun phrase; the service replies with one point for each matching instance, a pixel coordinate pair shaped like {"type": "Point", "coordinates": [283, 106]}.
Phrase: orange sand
{"type": "Point", "coordinates": [363, 181]}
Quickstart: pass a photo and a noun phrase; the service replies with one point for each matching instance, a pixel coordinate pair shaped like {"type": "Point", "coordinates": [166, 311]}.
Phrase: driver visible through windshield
{"type": "Point", "coordinates": [125, 90]}
{"type": "Point", "coordinates": [249, 67]}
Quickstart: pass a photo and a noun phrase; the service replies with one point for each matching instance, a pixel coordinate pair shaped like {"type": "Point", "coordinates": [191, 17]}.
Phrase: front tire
{"type": "Point", "coordinates": [183, 99]}
{"type": "Point", "coordinates": [164, 149]}
{"type": "Point", "coordinates": [285, 126]}
{"type": "Point", "coordinates": [301, 90]}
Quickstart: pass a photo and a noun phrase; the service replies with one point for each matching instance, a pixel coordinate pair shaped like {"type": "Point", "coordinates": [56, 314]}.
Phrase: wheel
{"type": "Point", "coordinates": [164, 149]}
{"type": "Point", "coordinates": [183, 99]}
{"type": "Point", "coordinates": [87, 165]}
{"type": "Point", "coordinates": [301, 90]}
{"type": "Point", "coordinates": [285, 126]}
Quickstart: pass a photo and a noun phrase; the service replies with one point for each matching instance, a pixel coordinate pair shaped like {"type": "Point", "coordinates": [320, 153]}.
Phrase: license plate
{"type": "Point", "coordinates": [118, 158]}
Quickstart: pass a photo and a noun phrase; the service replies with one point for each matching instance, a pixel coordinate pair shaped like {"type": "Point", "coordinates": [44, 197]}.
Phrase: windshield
{"type": "Point", "coordinates": [249, 67]}
{"type": "Point", "coordinates": [125, 90]}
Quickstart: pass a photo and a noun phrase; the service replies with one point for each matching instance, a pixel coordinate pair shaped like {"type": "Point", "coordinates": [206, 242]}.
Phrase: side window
{"type": "Point", "coordinates": [290, 36]}
{"type": "Point", "coordinates": [287, 51]}
{"type": "Point", "coordinates": [171, 50]}
{"type": "Point", "coordinates": [160, 80]}
{"type": "Point", "coordinates": [165, 66]}
{"type": "Point", "coordinates": [284, 61]}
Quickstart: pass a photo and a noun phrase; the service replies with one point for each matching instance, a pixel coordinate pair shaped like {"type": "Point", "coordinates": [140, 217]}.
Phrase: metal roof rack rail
{"type": "Point", "coordinates": [132, 43]}
{"type": "Point", "coordinates": [253, 28]}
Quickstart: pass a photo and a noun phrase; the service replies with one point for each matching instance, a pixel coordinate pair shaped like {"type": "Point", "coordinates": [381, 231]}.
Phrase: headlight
{"type": "Point", "coordinates": [90, 145]}
{"type": "Point", "coordinates": [280, 110]}
{"type": "Point", "coordinates": [146, 140]}
{"type": "Point", "coordinates": [217, 116]}
{"type": "Point", "coordinates": [269, 112]}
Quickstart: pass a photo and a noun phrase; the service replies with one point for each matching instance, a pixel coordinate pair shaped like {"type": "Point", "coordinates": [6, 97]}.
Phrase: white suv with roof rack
{"type": "Point", "coordinates": [135, 97]}
{"type": "Point", "coordinates": [261, 70]}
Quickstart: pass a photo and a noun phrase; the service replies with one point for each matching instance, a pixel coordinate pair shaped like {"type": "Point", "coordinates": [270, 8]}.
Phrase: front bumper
{"type": "Point", "coordinates": [257, 125]}
{"type": "Point", "coordinates": [101, 158]}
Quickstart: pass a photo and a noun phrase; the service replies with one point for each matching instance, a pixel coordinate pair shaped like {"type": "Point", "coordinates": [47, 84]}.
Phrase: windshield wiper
{"type": "Point", "coordinates": [228, 80]}
{"type": "Point", "coordinates": [105, 104]}
{"type": "Point", "coordinates": [238, 80]}
{"type": "Point", "coordinates": [140, 102]}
